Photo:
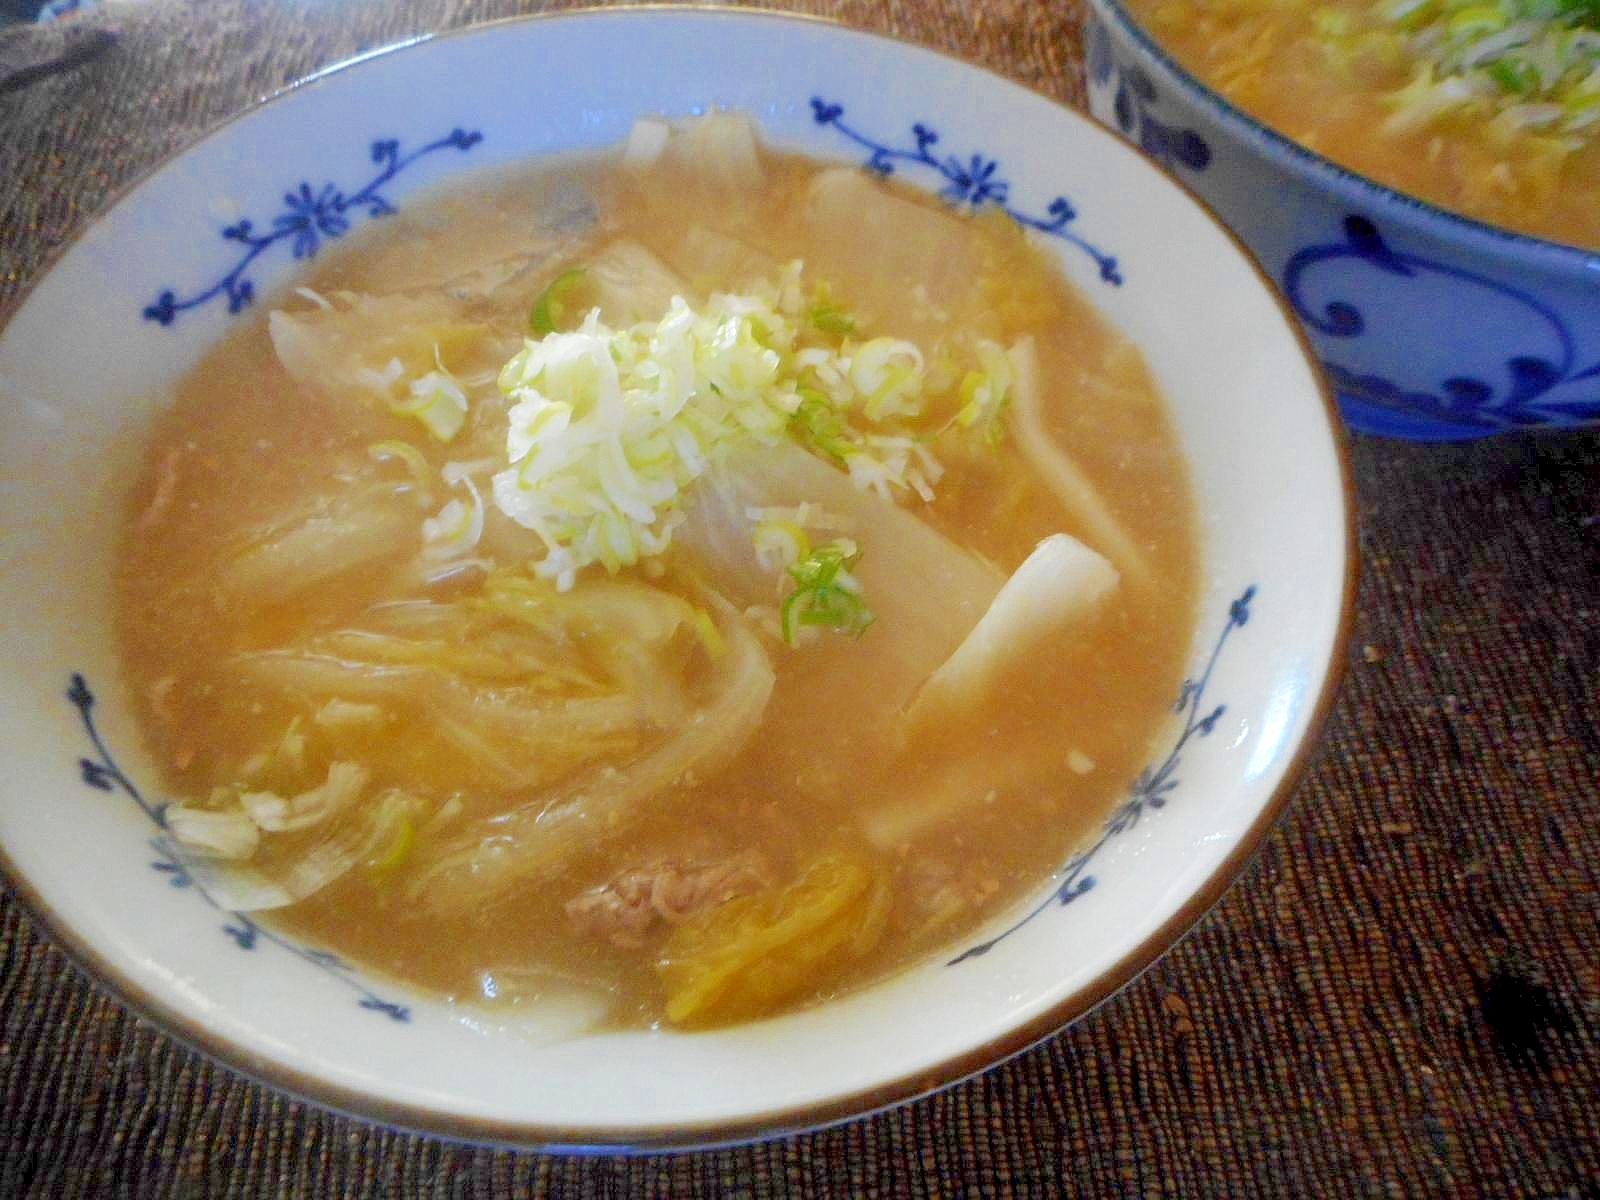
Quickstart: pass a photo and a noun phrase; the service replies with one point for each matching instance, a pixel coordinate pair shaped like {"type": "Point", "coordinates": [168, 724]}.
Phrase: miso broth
{"type": "Point", "coordinates": [704, 713]}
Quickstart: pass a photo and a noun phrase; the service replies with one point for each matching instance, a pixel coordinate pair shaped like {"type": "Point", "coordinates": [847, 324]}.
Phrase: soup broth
{"type": "Point", "coordinates": [903, 635]}
{"type": "Point", "coordinates": [1492, 111]}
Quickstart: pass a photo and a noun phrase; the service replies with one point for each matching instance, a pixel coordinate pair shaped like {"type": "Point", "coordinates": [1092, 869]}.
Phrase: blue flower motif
{"type": "Point", "coordinates": [1150, 791]}
{"type": "Point", "coordinates": [395, 1012]}
{"type": "Point", "coordinates": [96, 776]}
{"type": "Point", "coordinates": [103, 774]}
{"type": "Point", "coordinates": [175, 872]}
{"type": "Point", "coordinates": [971, 183]}
{"type": "Point", "coordinates": [310, 216]}
{"type": "Point", "coordinates": [306, 216]}
{"type": "Point", "coordinates": [975, 183]}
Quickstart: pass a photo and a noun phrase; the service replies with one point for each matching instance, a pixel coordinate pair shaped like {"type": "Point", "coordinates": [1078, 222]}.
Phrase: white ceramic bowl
{"type": "Point", "coordinates": [135, 300]}
{"type": "Point", "coordinates": [1430, 326]}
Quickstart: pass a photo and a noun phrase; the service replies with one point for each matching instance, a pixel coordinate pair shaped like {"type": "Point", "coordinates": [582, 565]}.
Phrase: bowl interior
{"type": "Point", "coordinates": [132, 304]}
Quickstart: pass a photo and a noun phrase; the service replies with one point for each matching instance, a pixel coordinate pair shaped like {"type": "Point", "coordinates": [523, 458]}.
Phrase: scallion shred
{"type": "Point", "coordinates": [553, 306]}
{"type": "Point", "coordinates": [830, 318]}
{"type": "Point", "coordinates": [826, 594]}
{"type": "Point", "coordinates": [1532, 63]}
{"type": "Point", "coordinates": [709, 636]}
{"type": "Point", "coordinates": [437, 400]}
{"type": "Point", "coordinates": [422, 475]}
{"type": "Point", "coordinates": [399, 849]}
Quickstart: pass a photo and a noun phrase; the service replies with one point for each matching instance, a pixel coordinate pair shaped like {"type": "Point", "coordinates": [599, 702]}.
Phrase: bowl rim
{"type": "Point", "coordinates": [1450, 225]}
{"type": "Point", "coordinates": [760, 1125]}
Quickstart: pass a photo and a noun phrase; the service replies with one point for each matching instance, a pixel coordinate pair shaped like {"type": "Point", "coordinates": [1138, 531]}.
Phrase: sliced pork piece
{"type": "Point", "coordinates": [626, 909]}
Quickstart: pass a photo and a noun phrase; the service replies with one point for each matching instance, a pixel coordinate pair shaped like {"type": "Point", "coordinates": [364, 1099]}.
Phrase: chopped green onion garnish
{"type": "Point", "coordinates": [830, 318]}
{"type": "Point", "coordinates": [705, 629]}
{"type": "Point", "coordinates": [780, 543]}
{"type": "Point", "coordinates": [437, 400]}
{"type": "Point", "coordinates": [609, 427]}
{"type": "Point", "coordinates": [551, 309]}
{"type": "Point", "coordinates": [422, 474]}
{"type": "Point", "coordinates": [1513, 76]}
{"type": "Point", "coordinates": [826, 594]}
{"type": "Point", "coordinates": [399, 849]}
{"type": "Point", "coordinates": [1509, 54]}
{"type": "Point", "coordinates": [888, 373]}
{"type": "Point", "coordinates": [821, 426]}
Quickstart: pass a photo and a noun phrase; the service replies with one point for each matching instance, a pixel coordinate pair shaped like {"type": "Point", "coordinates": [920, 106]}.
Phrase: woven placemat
{"type": "Point", "coordinates": [1400, 997]}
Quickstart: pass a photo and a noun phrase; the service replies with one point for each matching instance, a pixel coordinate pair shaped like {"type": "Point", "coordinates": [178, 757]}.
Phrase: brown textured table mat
{"type": "Point", "coordinates": [1400, 997]}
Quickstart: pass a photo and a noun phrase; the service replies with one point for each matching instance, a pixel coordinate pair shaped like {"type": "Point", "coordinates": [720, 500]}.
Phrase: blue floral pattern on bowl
{"type": "Point", "coordinates": [1545, 385]}
{"type": "Point", "coordinates": [309, 217]}
{"type": "Point", "coordinates": [970, 182]}
{"type": "Point", "coordinates": [1135, 99]}
{"type": "Point", "coordinates": [1429, 326]}
{"type": "Point", "coordinates": [1149, 792]}
{"type": "Point", "coordinates": [102, 773]}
